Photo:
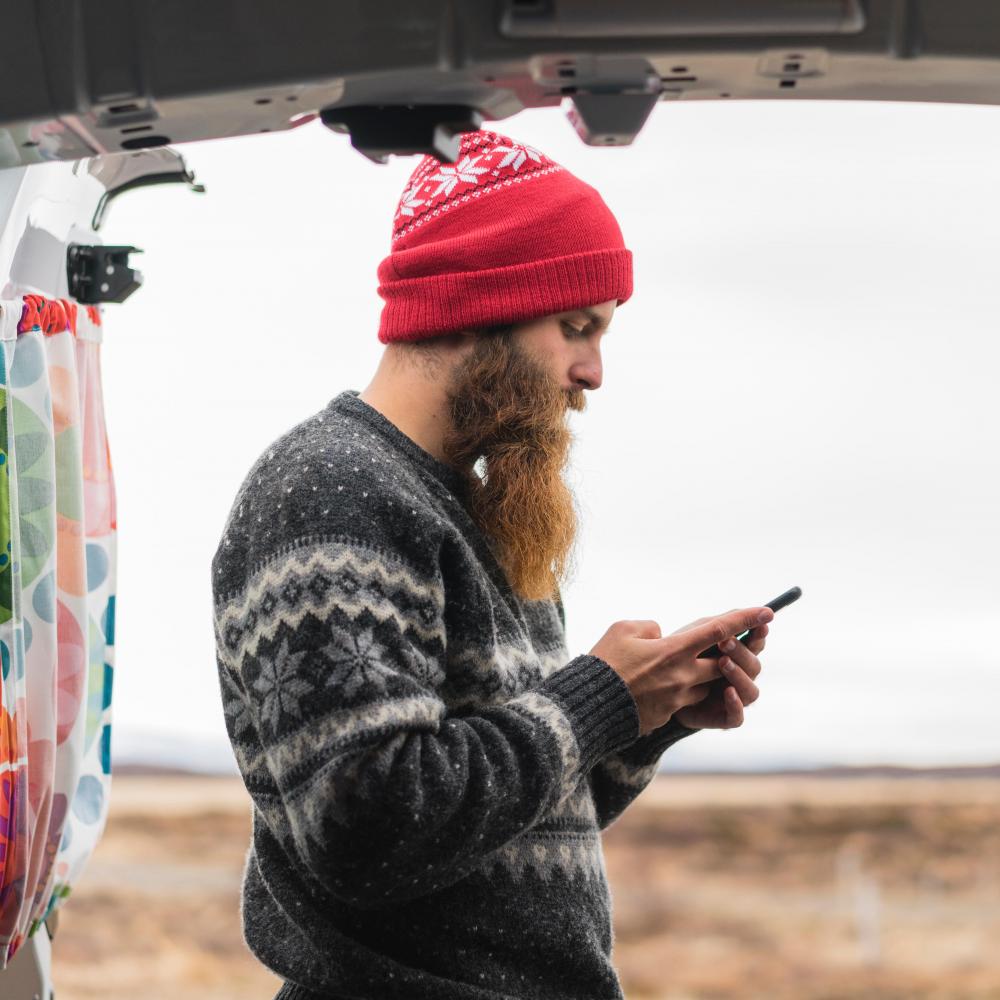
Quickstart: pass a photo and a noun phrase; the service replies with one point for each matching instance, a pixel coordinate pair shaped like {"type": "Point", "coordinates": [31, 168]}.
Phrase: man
{"type": "Point", "coordinates": [430, 770]}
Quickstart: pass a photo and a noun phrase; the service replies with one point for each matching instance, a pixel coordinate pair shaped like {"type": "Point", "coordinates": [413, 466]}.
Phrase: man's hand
{"type": "Point", "coordinates": [722, 707]}
{"type": "Point", "coordinates": [666, 674]}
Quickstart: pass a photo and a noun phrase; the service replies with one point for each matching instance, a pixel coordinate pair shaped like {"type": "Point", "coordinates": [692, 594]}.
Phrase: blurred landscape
{"type": "Point", "coordinates": [844, 883]}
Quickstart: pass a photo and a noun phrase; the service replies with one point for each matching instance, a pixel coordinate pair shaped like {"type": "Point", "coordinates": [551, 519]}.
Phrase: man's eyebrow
{"type": "Point", "coordinates": [593, 316]}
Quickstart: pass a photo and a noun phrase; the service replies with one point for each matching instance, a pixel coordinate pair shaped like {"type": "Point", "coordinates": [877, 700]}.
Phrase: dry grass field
{"type": "Point", "coordinates": [765, 886]}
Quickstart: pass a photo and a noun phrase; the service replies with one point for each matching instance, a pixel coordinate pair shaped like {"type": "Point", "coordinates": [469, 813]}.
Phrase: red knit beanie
{"type": "Point", "coordinates": [502, 235]}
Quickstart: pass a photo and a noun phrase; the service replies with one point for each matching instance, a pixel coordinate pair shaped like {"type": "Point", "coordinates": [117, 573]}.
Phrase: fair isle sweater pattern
{"type": "Point", "coordinates": [429, 769]}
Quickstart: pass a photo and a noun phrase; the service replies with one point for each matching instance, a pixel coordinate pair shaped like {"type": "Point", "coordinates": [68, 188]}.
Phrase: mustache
{"type": "Point", "coordinates": [504, 395]}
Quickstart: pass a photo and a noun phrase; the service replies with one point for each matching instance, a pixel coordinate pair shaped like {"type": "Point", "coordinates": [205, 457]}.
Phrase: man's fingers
{"type": "Point", "coordinates": [701, 637]}
{"type": "Point", "coordinates": [743, 684]}
{"type": "Point", "coordinates": [744, 654]}
{"type": "Point", "coordinates": [734, 709]}
{"type": "Point", "coordinates": [755, 641]}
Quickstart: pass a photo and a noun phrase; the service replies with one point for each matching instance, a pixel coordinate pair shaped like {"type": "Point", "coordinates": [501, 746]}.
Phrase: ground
{"type": "Point", "coordinates": [723, 887]}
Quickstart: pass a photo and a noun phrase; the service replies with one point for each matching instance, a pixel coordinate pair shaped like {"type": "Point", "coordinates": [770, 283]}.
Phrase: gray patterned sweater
{"type": "Point", "coordinates": [429, 768]}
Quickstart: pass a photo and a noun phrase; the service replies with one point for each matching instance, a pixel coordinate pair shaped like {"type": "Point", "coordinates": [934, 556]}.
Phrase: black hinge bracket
{"type": "Point", "coordinates": [101, 273]}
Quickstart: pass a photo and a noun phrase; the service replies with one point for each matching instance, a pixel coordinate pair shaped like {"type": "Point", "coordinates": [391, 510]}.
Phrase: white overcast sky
{"type": "Point", "coordinates": [802, 391]}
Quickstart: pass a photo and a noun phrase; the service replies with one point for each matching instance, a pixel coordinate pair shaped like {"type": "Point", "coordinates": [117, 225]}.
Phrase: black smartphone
{"type": "Point", "coordinates": [781, 601]}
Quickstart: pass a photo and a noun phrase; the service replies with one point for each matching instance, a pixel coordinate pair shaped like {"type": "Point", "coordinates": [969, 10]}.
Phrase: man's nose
{"type": "Point", "coordinates": [586, 375]}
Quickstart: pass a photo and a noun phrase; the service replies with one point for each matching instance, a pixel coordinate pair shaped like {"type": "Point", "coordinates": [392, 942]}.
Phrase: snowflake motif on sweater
{"type": "Point", "coordinates": [236, 708]}
{"type": "Point", "coordinates": [424, 668]}
{"type": "Point", "coordinates": [279, 687]}
{"type": "Point", "coordinates": [357, 661]}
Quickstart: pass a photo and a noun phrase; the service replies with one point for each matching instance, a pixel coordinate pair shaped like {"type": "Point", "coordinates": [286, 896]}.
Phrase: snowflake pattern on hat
{"type": "Point", "coordinates": [487, 162]}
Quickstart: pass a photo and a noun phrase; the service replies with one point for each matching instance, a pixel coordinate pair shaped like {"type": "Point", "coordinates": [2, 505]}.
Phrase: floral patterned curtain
{"type": "Point", "coordinates": [57, 607]}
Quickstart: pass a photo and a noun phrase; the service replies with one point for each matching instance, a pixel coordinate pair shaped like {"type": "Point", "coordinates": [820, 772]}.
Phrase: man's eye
{"type": "Point", "coordinates": [572, 330]}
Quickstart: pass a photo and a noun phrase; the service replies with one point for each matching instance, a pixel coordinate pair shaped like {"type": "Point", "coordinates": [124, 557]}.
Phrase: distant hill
{"type": "Point", "coordinates": [833, 771]}
{"type": "Point", "coordinates": [169, 770]}
{"type": "Point", "coordinates": [865, 771]}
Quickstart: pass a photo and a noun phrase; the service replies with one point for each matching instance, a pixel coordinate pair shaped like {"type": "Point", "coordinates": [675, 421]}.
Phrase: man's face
{"type": "Point", "coordinates": [508, 399]}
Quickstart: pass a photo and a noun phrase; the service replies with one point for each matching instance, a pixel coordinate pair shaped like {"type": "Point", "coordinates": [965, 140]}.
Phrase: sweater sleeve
{"type": "Point", "coordinates": [618, 778]}
{"type": "Point", "coordinates": [337, 650]}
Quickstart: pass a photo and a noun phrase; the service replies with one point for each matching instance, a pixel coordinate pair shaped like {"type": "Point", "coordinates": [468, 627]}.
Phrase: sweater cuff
{"type": "Point", "coordinates": [598, 704]}
{"type": "Point", "coordinates": [648, 749]}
